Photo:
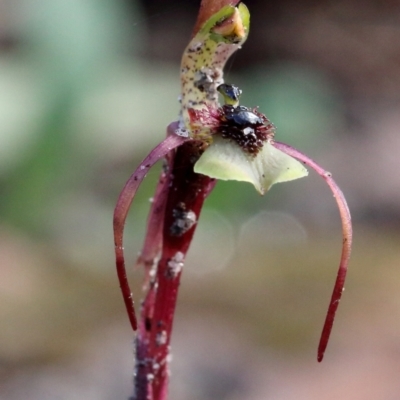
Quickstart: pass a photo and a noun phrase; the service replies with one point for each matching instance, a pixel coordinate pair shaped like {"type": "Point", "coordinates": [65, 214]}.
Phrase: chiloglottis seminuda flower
{"type": "Point", "coordinates": [228, 142]}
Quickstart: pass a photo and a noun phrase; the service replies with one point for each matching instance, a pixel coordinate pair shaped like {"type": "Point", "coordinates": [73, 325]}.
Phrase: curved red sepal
{"type": "Point", "coordinates": [121, 211]}
{"type": "Point", "coordinates": [347, 232]}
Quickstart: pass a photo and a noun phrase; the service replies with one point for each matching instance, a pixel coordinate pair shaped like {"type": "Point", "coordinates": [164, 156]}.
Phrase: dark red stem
{"type": "Point", "coordinates": [186, 195]}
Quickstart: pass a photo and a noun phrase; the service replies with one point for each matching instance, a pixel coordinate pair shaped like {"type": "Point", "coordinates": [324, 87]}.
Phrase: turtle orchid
{"type": "Point", "coordinates": [208, 142]}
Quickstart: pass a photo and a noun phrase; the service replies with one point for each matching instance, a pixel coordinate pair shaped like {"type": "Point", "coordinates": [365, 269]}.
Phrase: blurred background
{"type": "Point", "coordinates": [87, 88]}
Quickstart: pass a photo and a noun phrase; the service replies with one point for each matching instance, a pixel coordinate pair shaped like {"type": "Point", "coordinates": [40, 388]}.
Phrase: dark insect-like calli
{"type": "Point", "coordinates": [247, 127]}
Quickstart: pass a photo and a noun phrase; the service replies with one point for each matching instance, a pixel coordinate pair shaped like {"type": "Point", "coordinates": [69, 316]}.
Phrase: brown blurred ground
{"type": "Point", "coordinates": [249, 330]}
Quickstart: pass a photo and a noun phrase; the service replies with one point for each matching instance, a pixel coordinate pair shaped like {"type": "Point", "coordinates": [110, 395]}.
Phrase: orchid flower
{"type": "Point", "coordinates": [209, 141]}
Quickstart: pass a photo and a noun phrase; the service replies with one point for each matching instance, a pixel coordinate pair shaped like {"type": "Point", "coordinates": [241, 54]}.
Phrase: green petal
{"type": "Point", "coordinates": [225, 160]}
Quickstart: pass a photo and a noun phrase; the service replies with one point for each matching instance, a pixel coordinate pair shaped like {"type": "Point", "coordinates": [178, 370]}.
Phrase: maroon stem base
{"type": "Point", "coordinates": [186, 195]}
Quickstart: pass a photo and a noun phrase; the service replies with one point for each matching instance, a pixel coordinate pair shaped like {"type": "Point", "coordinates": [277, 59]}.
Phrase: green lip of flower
{"type": "Point", "coordinates": [225, 160]}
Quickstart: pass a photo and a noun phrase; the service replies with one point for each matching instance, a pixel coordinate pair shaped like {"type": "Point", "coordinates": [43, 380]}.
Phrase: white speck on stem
{"type": "Point", "coordinates": [175, 265]}
{"type": "Point", "coordinates": [156, 366]}
{"type": "Point", "coordinates": [161, 338]}
{"type": "Point", "coordinates": [153, 269]}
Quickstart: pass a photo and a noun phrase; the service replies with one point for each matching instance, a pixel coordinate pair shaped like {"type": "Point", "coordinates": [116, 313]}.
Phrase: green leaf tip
{"type": "Point", "coordinates": [225, 160]}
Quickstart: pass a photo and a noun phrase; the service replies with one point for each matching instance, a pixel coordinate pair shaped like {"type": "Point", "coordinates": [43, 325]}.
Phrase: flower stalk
{"type": "Point", "coordinates": [185, 198]}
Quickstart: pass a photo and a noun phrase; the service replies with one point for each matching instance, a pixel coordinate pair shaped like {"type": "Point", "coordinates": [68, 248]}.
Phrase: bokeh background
{"type": "Point", "coordinates": [86, 90]}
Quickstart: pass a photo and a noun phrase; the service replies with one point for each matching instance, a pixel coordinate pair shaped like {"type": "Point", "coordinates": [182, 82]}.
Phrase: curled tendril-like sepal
{"type": "Point", "coordinates": [347, 233]}
{"type": "Point", "coordinates": [121, 212]}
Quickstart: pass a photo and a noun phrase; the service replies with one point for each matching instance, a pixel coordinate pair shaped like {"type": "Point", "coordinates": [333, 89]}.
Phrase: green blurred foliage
{"type": "Point", "coordinates": [299, 99]}
{"type": "Point", "coordinates": [74, 58]}
{"type": "Point", "coordinates": [87, 103]}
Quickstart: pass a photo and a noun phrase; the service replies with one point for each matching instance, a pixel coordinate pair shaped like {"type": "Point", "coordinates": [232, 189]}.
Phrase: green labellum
{"type": "Point", "coordinates": [225, 160]}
